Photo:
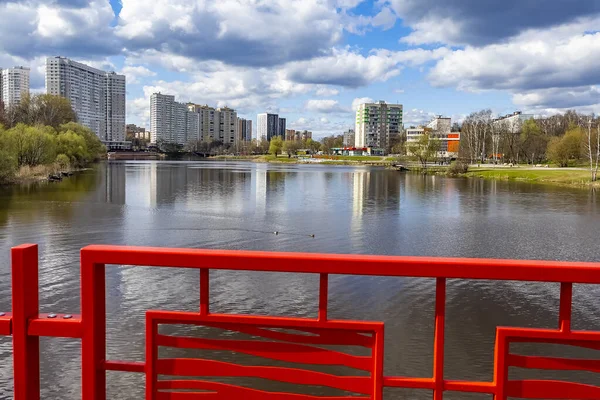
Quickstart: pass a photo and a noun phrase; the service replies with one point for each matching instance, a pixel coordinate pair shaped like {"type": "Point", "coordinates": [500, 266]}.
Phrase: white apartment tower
{"type": "Point", "coordinates": [172, 122]}
{"type": "Point", "coordinates": [268, 126]}
{"type": "Point", "coordinates": [97, 97]}
{"type": "Point", "coordinates": [377, 124]}
{"type": "Point", "coordinates": [14, 84]}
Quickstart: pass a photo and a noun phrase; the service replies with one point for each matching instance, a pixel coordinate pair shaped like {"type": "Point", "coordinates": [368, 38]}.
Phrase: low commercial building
{"type": "Point", "coordinates": [438, 128]}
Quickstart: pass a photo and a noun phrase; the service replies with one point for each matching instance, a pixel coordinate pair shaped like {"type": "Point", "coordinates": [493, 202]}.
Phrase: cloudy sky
{"type": "Point", "coordinates": [314, 60]}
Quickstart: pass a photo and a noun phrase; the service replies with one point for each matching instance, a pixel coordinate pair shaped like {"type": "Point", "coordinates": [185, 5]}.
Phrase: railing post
{"type": "Point", "coordinates": [25, 305]}
{"type": "Point", "coordinates": [93, 316]}
{"type": "Point", "coordinates": [438, 344]}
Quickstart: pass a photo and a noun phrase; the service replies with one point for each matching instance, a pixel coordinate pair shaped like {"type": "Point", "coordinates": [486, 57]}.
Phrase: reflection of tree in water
{"type": "Point", "coordinates": [28, 197]}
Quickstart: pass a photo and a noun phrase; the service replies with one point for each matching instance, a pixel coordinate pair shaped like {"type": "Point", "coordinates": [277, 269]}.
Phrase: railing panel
{"type": "Point", "coordinates": [26, 326]}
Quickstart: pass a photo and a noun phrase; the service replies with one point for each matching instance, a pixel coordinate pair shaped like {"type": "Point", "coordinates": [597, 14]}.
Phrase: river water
{"type": "Point", "coordinates": [358, 210]}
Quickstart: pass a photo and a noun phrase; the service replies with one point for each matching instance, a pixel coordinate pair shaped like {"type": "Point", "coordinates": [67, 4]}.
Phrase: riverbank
{"type": "Point", "coordinates": [326, 160]}
{"type": "Point", "coordinates": [571, 177]}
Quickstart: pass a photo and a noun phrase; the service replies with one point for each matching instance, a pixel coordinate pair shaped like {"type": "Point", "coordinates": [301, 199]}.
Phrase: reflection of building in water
{"type": "Point", "coordinates": [111, 188]}
{"type": "Point", "coordinates": [377, 191]}
{"type": "Point", "coordinates": [259, 187]}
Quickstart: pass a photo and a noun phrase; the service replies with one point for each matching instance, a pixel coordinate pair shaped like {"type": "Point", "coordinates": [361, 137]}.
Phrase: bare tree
{"type": "Point", "coordinates": [475, 131]}
{"type": "Point", "coordinates": [592, 147]}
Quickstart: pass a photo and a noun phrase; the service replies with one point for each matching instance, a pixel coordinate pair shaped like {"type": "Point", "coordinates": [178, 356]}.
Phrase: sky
{"type": "Point", "coordinates": [314, 61]}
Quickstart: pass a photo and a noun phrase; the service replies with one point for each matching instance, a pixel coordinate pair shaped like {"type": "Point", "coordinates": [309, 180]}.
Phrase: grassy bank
{"type": "Point", "coordinates": [328, 160]}
{"type": "Point", "coordinates": [561, 176]}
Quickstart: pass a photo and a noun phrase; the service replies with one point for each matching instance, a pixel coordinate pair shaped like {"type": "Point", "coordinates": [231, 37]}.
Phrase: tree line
{"type": "Point", "coordinates": [42, 131]}
{"type": "Point", "coordinates": [564, 139]}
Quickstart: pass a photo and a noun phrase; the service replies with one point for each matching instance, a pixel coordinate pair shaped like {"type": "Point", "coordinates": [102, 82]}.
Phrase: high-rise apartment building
{"type": "Point", "coordinates": [244, 130]}
{"type": "Point", "coordinates": [282, 126]}
{"type": "Point", "coordinates": [179, 123]}
{"type": "Point", "coordinates": [377, 124]}
{"type": "Point", "coordinates": [161, 118]}
{"type": "Point", "coordinates": [228, 126]}
{"type": "Point", "coordinates": [206, 117]}
{"type": "Point", "coordinates": [97, 97]}
{"type": "Point", "coordinates": [170, 121]}
{"type": "Point", "coordinates": [268, 126]}
{"type": "Point", "coordinates": [14, 84]}
{"type": "Point", "coordinates": [349, 138]}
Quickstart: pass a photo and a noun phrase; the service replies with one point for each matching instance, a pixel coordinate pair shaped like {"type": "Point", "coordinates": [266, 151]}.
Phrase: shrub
{"type": "Point", "coordinates": [63, 161]}
{"type": "Point", "coordinates": [457, 168]}
{"type": "Point", "coordinates": [8, 166]}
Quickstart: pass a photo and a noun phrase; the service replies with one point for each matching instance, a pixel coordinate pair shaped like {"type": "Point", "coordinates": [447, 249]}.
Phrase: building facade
{"type": "Point", "coordinates": [97, 97]}
{"type": "Point", "coordinates": [282, 126]}
{"type": "Point", "coordinates": [349, 138]}
{"type": "Point", "coordinates": [268, 126]}
{"type": "Point", "coordinates": [377, 125]}
{"type": "Point", "coordinates": [439, 128]}
{"type": "Point", "coordinates": [511, 122]}
{"type": "Point", "coordinates": [228, 126]}
{"type": "Point", "coordinates": [14, 84]}
{"type": "Point", "coordinates": [244, 130]}
{"type": "Point", "coordinates": [161, 118]}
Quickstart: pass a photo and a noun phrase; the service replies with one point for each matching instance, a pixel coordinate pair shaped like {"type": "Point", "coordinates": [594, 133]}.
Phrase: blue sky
{"type": "Point", "coordinates": [313, 61]}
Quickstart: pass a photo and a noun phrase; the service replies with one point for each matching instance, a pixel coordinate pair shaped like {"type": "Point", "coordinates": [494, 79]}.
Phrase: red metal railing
{"type": "Point", "coordinates": [26, 326]}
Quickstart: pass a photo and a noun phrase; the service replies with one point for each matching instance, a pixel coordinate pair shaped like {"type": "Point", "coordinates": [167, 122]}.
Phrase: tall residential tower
{"type": "Point", "coordinates": [377, 124]}
{"type": "Point", "coordinates": [97, 97]}
{"type": "Point", "coordinates": [14, 84]}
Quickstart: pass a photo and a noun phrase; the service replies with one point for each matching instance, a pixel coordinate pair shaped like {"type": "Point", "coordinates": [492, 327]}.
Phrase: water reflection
{"type": "Point", "coordinates": [347, 209]}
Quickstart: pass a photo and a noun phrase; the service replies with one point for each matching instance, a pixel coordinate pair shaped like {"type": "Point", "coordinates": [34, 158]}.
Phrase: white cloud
{"type": "Point", "coordinates": [29, 29]}
{"type": "Point", "coordinates": [345, 67]}
{"type": "Point", "coordinates": [134, 73]}
{"type": "Point", "coordinates": [417, 117]}
{"type": "Point", "coordinates": [399, 91]}
{"type": "Point", "coordinates": [240, 32]}
{"type": "Point", "coordinates": [360, 100]}
{"type": "Point", "coordinates": [323, 90]}
{"type": "Point", "coordinates": [324, 106]}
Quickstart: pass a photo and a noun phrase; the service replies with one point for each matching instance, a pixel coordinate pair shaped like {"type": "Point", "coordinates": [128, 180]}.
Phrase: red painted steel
{"type": "Point", "coordinates": [26, 325]}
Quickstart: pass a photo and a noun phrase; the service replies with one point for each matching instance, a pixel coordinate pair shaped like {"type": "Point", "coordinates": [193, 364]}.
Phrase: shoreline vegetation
{"type": "Point", "coordinates": [41, 140]}
{"type": "Point", "coordinates": [576, 177]}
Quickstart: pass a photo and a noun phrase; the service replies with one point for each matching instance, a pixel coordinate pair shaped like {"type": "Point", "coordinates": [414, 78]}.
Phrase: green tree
{"type": "Point", "coordinates": [41, 109]}
{"type": "Point", "coordinates": [533, 142]}
{"type": "Point", "coordinates": [31, 145]}
{"type": "Point", "coordinates": [8, 161]}
{"type": "Point", "coordinates": [312, 145]}
{"type": "Point", "coordinates": [63, 161]}
{"type": "Point", "coordinates": [52, 110]}
{"type": "Point", "coordinates": [424, 149]}
{"type": "Point", "coordinates": [561, 150]}
{"type": "Point", "coordinates": [291, 146]}
{"type": "Point", "coordinates": [73, 146]}
{"type": "Point", "coordinates": [95, 148]}
{"type": "Point", "coordinates": [275, 146]}
{"type": "Point", "coordinates": [263, 146]}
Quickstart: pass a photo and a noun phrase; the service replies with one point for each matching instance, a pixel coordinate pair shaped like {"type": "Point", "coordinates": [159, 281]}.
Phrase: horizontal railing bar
{"type": "Point", "coordinates": [6, 324]}
{"type": "Point", "coordinates": [429, 383]}
{"type": "Point", "coordinates": [409, 383]}
{"type": "Point", "coordinates": [424, 267]}
{"type": "Point", "coordinates": [56, 325]}
{"type": "Point", "coordinates": [125, 366]}
{"type": "Point", "coordinates": [470, 387]}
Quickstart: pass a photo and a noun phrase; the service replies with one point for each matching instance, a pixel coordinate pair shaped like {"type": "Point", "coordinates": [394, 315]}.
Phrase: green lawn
{"type": "Point", "coordinates": [353, 158]}
{"type": "Point", "coordinates": [566, 176]}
